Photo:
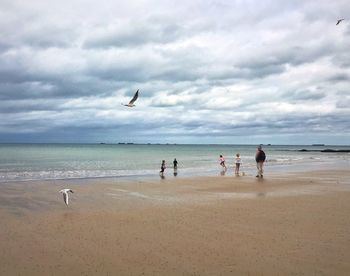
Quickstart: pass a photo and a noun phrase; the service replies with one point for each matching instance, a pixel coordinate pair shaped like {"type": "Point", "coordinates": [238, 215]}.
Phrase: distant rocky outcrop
{"type": "Point", "coordinates": [326, 150]}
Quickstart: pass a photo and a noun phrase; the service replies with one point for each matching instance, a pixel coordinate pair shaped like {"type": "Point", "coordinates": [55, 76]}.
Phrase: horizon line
{"type": "Point", "coordinates": [171, 144]}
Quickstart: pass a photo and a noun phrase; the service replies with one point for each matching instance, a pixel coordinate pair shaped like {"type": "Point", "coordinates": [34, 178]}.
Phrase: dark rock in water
{"type": "Point", "coordinates": [325, 150]}
{"type": "Point", "coordinates": [331, 150]}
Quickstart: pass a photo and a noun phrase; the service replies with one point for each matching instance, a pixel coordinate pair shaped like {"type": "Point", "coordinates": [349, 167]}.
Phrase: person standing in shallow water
{"type": "Point", "coordinates": [238, 163]}
{"type": "Point", "coordinates": [175, 164]}
{"type": "Point", "coordinates": [260, 159]}
{"type": "Point", "coordinates": [175, 167]}
{"type": "Point", "coordinates": [162, 168]}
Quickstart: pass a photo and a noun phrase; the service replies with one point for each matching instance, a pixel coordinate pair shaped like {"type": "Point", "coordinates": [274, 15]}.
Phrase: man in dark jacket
{"type": "Point", "coordinates": [260, 159]}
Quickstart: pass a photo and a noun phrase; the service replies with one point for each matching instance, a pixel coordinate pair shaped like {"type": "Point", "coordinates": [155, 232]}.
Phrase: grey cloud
{"type": "Point", "coordinates": [342, 59]}
{"type": "Point", "coordinates": [259, 71]}
{"type": "Point", "coordinates": [344, 103]}
{"type": "Point", "coordinates": [121, 73]}
{"type": "Point", "coordinates": [303, 95]}
{"type": "Point", "coordinates": [133, 33]}
{"type": "Point", "coordinates": [4, 46]}
{"type": "Point", "coordinates": [49, 37]}
{"type": "Point", "coordinates": [23, 106]}
{"type": "Point", "coordinates": [30, 31]}
{"type": "Point", "coordinates": [340, 77]}
{"type": "Point", "coordinates": [177, 74]}
{"type": "Point", "coordinates": [274, 61]}
{"type": "Point", "coordinates": [25, 90]}
{"type": "Point", "coordinates": [272, 126]}
{"type": "Point", "coordinates": [53, 89]}
{"type": "Point", "coordinates": [44, 37]}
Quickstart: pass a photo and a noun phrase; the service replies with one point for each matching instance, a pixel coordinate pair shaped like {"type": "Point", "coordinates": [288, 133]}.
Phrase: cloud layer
{"type": "Point", "coordinates": [208, 71]}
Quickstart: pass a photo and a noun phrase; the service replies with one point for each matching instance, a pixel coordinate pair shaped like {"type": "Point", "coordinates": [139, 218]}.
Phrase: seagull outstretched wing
{"type": "Point", "coordinates": [134, 98]}
{"type": "Point", "coordinates": [339, 20]}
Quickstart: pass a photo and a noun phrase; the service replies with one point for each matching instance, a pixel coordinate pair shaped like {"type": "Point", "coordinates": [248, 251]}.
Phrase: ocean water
{"type": "Point", "coordinates": [22, 162]}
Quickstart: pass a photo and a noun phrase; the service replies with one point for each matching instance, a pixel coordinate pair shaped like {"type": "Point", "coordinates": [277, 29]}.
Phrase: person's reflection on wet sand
{"type": "Point", "coordinates": [223, 172]}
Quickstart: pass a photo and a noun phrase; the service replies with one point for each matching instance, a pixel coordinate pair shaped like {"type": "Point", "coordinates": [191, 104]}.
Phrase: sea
{"type": "Point", "coordinates": [27, 162]}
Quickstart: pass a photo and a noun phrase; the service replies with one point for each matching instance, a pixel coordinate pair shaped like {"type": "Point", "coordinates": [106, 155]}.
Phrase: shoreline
{"type": "Point", "coordinates": [250, 171]}
{"type": "Point", "coordinates": [287, 223]}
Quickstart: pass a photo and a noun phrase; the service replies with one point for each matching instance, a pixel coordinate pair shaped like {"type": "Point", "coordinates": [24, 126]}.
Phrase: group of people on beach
{"type": "Point", "coordinates": [260, 158]}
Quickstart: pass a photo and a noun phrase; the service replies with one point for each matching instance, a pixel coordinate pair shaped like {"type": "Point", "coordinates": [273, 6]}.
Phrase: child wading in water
{"type": "Point", "coordinates": [238, 163]}
{"type": "Point", "coordinates": [222, 162]}
{"type": "Point", "coordinates": [162, 167]}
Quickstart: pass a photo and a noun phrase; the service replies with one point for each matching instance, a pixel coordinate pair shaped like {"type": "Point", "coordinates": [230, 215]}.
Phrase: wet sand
{"type": "Point", "coordinates": [285, 224]}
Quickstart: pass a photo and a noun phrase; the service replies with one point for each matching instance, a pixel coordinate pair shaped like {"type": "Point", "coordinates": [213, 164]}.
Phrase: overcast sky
{"type": "Point", "coordinates": [208, 71]}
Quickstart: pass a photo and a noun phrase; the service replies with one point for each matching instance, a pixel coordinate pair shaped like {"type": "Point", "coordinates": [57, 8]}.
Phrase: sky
{"type": "Point", "coordinates": [233, 72]}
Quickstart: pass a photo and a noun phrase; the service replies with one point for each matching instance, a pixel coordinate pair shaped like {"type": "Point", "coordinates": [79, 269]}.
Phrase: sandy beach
{"type": "Point", "coordinates": [284, 224]}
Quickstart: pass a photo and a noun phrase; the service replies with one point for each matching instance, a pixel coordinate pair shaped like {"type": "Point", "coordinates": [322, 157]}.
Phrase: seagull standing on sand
{"type": "Point", "coordinates": [131, 103]}
{"type": "Point", "coordinates": [339, 20]}
{"type": "Point", "coordinates": [65, 194]}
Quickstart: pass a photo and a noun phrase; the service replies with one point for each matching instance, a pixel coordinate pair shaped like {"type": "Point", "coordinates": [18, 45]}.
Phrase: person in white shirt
{"type": "Point", "coordinates": [238, 162]}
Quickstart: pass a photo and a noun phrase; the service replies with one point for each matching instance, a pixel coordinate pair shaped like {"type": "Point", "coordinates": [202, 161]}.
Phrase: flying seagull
{"type": "Point", "coordinates": [65, 194]}
{"type": "Point", "coordinates": [131, 103]}
{"type": "Point", "coordinates": [339, 20]}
